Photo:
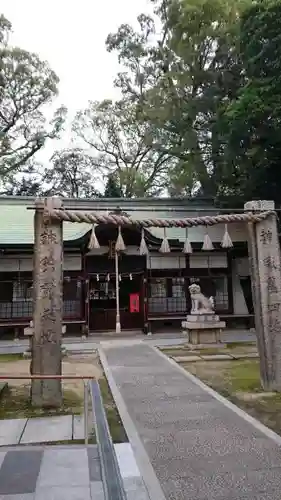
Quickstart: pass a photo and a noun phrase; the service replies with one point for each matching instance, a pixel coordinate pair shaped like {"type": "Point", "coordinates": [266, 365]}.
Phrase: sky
{"type": "Point", "coordinates": [71, 35]}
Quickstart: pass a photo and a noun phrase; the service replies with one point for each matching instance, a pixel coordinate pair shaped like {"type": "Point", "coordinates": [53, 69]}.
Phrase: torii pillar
{"type": "Point", "coordinates": [264, 254]}
{"type": "Point", "coordinates": [48, 304]}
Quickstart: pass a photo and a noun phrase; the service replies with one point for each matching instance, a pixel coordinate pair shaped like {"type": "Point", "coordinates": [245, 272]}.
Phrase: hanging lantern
{"type": "Point", "coordinates": [165, 247]}
{"type": "Point", "coordinates": [120, 245]}
{"type": "Point", "coordinates": [93, 243]}
{"type": "Point", "coordinates": [143, 245]}
{"type": "Point", "coordinates": [187, 248]}
{"type": "Point", "coordinates": [207, 243]}
{"type": "Point", "coordinates": [226, 241]}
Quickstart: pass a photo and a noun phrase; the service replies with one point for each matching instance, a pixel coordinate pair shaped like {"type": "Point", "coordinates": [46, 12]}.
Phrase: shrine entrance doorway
{"type": "Point", "coordinates": [100, 269]}
{"type": "Point", "coordinates": [102, 302]}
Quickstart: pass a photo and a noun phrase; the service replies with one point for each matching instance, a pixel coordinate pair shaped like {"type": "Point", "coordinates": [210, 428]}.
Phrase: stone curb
{"type": "Point", "coordinates": [241, 413]}
{"type": "Point", "coordinates": [212, 357]}
{"type": "Point", "coordinates": [147, 472]}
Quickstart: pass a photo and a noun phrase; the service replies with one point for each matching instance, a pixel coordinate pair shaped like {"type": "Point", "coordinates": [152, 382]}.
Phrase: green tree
{"type": "Point", "coordinates": [27, 85]}
{"type": "Point", "coordinates": [112, 188]}
{"type": "Point", "coordinates": [72, 175]}
{"type": "Point", "coordinates": [181, 80]}
{"type": "Point", "coordinates": [123, 146]}
{"type": "Point", "coordinates": [254, 118]}
{"type": "Point", "coordinates": [29, 182]}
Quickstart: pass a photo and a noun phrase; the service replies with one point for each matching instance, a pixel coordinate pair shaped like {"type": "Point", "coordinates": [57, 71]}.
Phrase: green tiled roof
{"type": "Point", "coordinates": [16, 222]}
{"type": "Point", "coordinates": [16, 226]}
{"type": "Point", "coordinates": [173, 233]}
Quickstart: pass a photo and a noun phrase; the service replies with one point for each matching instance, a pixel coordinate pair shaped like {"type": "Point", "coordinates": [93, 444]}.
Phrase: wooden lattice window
{"type": "Point", "coordinates": [22, 291]}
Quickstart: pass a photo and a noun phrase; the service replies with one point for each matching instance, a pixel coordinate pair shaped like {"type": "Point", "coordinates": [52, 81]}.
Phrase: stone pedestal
{"type": "Point", "coordinates": [203, 328]}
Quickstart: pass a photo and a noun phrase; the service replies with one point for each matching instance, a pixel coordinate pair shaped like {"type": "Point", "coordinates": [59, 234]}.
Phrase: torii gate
{"type": "Point", "coordinates": [264, 255]}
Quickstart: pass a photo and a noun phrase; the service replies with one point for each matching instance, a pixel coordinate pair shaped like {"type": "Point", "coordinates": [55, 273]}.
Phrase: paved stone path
{"type": "Point", "coordinates": [64, 473]}
{"type": "Point", "coordinates": [199, 447]}
{"type": "Point", "coordinates": [41, 430]}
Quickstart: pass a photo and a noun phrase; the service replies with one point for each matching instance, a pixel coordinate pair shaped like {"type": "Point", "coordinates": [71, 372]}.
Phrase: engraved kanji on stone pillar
{"type": "Point", "coordinates": [47, 315]}
{"type": "Point", "coordinates": [264, 252]}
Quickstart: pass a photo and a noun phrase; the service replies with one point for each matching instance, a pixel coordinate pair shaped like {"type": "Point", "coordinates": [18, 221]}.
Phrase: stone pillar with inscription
{"type": "Point", "coordinates": [47, 315]}
{"type": "Point", "coordinates": [264, 254]}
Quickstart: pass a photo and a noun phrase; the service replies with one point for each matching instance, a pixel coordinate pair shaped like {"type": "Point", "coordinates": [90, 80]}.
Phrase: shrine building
{"type": "Point", "coordinates": [152, 285]}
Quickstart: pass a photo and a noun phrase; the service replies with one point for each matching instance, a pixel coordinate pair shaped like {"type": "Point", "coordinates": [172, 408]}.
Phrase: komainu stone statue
{"type": "Point", "coordinates": [199, 303]}
{"type": "Point", "coordinates": [202, 325]}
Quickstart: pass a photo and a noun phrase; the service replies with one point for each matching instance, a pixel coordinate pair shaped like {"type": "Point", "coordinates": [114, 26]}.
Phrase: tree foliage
{"type": "Point", "coordinates": [199, 112]}
{"type": "Point", "coordinates": [181, 80]}
{"type": "Point", "coordinates": [28, 183]}
{"type": "Point", "coordinates": [254, 118]}
{"type": "Point", "coordinates": [112, 188]}
{"type": "Point", "coordinates": [72, 175]}
{"type": "Point", "coordinates": [27, 84]}
{"type": "Point", "coordinates": [124, 147]}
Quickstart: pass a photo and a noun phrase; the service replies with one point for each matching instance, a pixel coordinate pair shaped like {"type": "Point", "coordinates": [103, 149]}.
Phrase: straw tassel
{"type": "Point", "coordinates": [165, 247]}
{"type": "Point", "coordinates": [120, 245]}
{"type": "Point", "coordinates": [226, 241]}
{"type": "Point", "coordinates": [187, 248]}
{"type": "Point", "coordinates": [93, 243]}
{"type": "Point", "coordinates": [143, 245]}
{"type": "Point", "coordinates": [207, 243]}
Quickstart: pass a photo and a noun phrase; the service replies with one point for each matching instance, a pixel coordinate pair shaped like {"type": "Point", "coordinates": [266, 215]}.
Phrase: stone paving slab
{"type": "Point", "coordinates": [47, 429]}
{"type": "Point", "coordinates": [185, 359]}
{"type": "Point", "coordinates": [13, 482]}
{"type": "Point", "coordinates": [41, 430]}
{"type": "Point", "coordinates": [11, 431]}
{"type": "Point", "coordinates": [198, 446]}
{"type": "Point", "coordinates": [135, 488]}
{"type": "Point", "coordinates": [214, 357]}
{"type": "Point", "coordinates": [96, 489]}
{"type": "Point", "coordinates": [65, 493]}
{"type": "Point", "coordinates": [250, 355]}
{"type": "Point", "coordinates": [64, 468]}
{"type": "Point", "coordinates": [78, 431]}
{"type": "Point", "coordinates": [64, 473]}
{"type": "Point", "coordinates": [26, 496]}
{"type": "Point", "coordinates": [126, 460]}
{"type": "Point", "coordinates": [94, 464]}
